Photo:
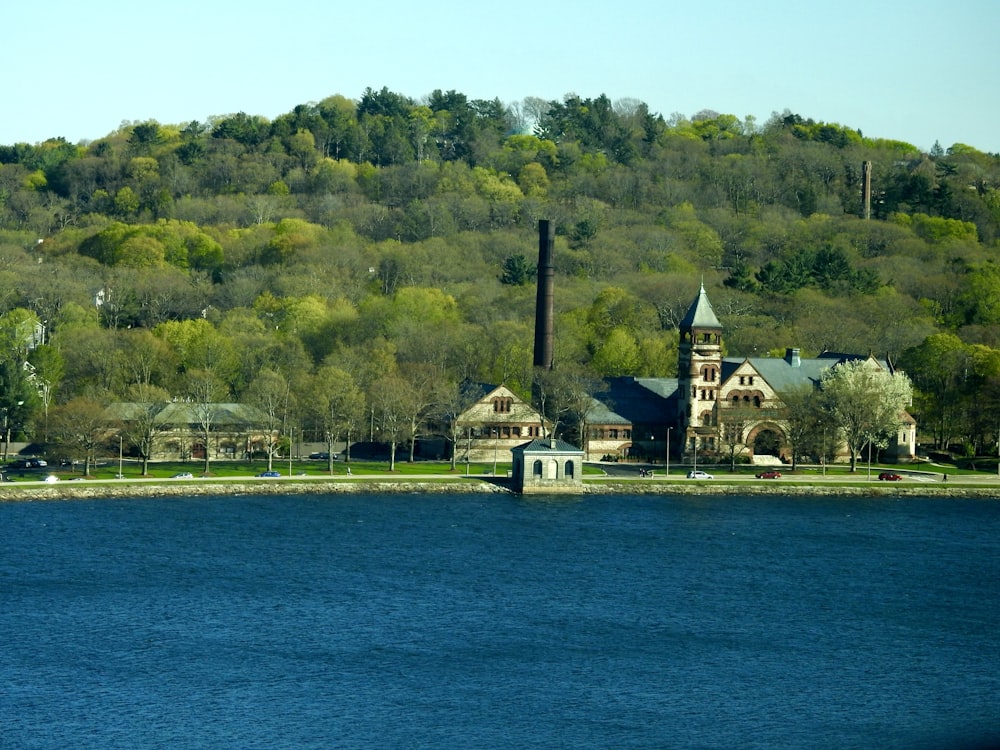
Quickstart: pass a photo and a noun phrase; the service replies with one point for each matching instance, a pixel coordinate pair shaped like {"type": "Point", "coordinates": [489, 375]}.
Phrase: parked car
{"type": "Point", "coordinates": [270, 474]}
{"type": "Point", "coordinates": [29, 463]}
{"type": "Point", "coordinates": [769, 474]}
{"type": "Point", "coordinates": [889, 476]}
{"type": "Point", "coordinates": [320, 456]}
{"type": "Point", "coordinates": [51, 478]}
{"type": "Point", "coordinates": [183, 475]}
{"type": "Point", "coordinates": [699, 475]}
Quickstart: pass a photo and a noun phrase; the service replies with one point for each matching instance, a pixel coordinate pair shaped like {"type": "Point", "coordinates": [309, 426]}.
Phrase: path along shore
{"type": "Point", "coordinates": [438, 484]}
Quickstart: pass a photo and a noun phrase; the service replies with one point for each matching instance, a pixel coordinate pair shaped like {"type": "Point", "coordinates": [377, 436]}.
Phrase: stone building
{"type": "Point", "coordinates": [495, 423]}
{"type": "Point", "coordinates": [733, 405]}
{"type": "Point", "coordinates": [547, 466]}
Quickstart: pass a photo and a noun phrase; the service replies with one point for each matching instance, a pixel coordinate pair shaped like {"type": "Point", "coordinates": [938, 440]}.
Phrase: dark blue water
{"type": "Point", "coordinates": [497, 622]}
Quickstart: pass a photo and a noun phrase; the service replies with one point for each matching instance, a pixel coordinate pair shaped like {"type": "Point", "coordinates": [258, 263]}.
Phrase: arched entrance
{"type": "Point", "coordinates": [766, 442]}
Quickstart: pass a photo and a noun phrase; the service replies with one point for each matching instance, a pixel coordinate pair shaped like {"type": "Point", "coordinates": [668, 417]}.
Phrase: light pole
{"type": "Point", "coordinates": [291, 441]}
{"type": "Point", "coordinates": [121, 450]}
{"type": "Point", "coordinates": [496, 448]}
{"type": "Point", "coordinates": [823, 457]}
{"type": "Point", "coordinates": [468, 450]}
{"type": "Point", "coordinates": [667, 469]}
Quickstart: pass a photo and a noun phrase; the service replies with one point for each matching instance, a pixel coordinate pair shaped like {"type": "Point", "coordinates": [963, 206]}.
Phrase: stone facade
{"type": "Point", "coordinates": [547, 466]}
{"type": "Point", "coordinates": [498, 421]}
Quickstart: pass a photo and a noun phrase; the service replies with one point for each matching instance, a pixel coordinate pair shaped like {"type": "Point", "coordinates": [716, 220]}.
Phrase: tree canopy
{"type": "Point", "coordinates": [384, 231]}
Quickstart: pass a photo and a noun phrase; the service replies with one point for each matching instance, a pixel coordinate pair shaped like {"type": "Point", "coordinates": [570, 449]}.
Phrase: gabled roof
{"type": "Point", "coordinates": [641, 400]}
{"type": "Point", "coordinates": [185, 413]}
{"type": "Point", "coordinates": [701, 314]}
{"type": "Point", "coordinates": [599, 413]}
{"type": "Point", "coordinates": [782, 376]}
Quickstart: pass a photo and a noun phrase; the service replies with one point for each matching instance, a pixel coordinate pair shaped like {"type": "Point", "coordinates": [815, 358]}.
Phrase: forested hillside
{"type": "Point", "coordinates": [384, 248]}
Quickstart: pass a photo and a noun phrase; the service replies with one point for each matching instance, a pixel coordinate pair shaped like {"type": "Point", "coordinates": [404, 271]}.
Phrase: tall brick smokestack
{"type": "Point", "coordinates": [866, 190]}
{"type": "Point", "coordinates": [546, 295]}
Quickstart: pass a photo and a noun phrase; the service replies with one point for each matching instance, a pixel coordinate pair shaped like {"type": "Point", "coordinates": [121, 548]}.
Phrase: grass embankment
{"type": "Point", "coordinates": [299, 468]}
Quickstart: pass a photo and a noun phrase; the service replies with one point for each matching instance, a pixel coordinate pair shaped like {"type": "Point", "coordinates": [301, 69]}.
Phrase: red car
{"type": "Point", "coordinates": [889, 476]}
{"type": "Point", "coordinates": [769, 474]}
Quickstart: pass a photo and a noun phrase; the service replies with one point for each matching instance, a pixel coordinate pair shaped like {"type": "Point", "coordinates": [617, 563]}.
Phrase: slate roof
{"type": "Point", "coordinates": [185, 413]}
{"type": "Point", "coordinates": [701, 314]}
{"type": "Point", "coordinates": [539, 445]}
{"type": "Point", "coordinates": [782, 376]}
{"type": "Point", "coordinates": [641, 400]}
{"type": "Point", "coordinates": [600, 413]}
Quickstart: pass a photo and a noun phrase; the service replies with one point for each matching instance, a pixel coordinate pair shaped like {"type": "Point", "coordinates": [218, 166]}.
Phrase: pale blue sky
{"type": "Point", "coordinates": [912, 70]}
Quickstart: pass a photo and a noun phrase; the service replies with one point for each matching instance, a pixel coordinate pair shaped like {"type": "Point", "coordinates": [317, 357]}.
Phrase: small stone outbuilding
{"type": "Point", "coordinates": [547, 465]}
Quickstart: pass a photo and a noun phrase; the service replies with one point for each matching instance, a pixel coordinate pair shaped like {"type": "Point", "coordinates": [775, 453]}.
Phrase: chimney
{"type": "Point", "coordinates": [866, 190]}
{"type": "Point", "coordinates": [546, 295]}
{"type": "Point", "coordinates": [792, 357]}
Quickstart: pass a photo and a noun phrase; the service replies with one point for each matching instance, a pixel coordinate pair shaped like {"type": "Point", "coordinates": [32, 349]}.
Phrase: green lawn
{"type": "Point", "coordinates": [109, 469]}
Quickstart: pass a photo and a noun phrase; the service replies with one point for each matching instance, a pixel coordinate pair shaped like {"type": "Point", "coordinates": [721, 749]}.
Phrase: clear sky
{"type": "Point", "coordinates": [913, 70]}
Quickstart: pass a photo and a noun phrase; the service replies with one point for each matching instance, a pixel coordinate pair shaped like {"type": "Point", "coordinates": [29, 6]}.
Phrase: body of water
{"type": "Point", "coordinates": [485, 621]}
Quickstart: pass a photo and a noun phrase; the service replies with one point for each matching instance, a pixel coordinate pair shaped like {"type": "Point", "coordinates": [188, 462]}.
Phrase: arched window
{"type": "Point", "coordinates": [569, 469]}
{"type": "Point", "coordinates": [536, 468]}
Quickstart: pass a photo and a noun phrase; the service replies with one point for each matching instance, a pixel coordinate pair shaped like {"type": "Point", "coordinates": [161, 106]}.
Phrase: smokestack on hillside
{"type": "Point", "coordinates": [866, 190]}
{"type": "Point", "coordinates": [546, 295]}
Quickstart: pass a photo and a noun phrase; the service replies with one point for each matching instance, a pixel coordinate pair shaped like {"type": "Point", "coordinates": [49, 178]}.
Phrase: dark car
{"type": "Point", "coordinates": [29, 463]}
{"type": "Point", "coordinates": [270, 474]}
{"type": "Point", "coordinates": [320, 456]}
{"type": "Point", "coordinates": [889, 476]}
{"type": "Point", "coordinates": [769, 474]}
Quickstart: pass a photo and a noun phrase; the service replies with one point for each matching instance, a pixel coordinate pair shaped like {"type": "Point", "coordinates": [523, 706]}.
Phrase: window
{"type": "Point", "coordinates": [502, 405]}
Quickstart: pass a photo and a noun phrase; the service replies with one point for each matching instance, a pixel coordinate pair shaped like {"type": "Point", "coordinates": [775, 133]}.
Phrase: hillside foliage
{"type": "Point", "coordinates": [383, 236]}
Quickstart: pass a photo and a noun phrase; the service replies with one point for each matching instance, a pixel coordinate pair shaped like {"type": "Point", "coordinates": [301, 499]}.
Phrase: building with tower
{"type": "Point", "coordinates": [699, 375]}
{"type": "Point", "coordinates": [722, 407]}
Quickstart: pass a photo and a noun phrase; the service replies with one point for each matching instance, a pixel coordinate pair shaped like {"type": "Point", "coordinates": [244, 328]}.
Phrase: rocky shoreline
{"type": "Point", "coordinates": [374, 486]}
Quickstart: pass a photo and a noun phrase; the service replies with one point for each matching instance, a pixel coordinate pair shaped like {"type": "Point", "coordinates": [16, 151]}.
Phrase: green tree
{"type": "Point", "coordinates": [338, 407]}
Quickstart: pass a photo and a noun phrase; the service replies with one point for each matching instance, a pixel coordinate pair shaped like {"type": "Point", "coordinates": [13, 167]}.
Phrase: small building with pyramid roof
{"type": "Point", "coordinates": [547, 465]}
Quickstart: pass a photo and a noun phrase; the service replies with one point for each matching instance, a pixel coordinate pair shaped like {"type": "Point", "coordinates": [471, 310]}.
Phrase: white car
{"type": "Point", "coordinates": [51, 478]}
{"type": "Point", "coordinates": [699, 475]}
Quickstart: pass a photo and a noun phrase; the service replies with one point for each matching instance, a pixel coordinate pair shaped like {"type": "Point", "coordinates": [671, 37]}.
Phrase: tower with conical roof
{"type": "Point", "coordinates": [699, 372]}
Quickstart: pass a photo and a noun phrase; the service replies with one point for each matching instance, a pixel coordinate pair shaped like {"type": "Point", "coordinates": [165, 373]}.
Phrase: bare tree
{"type": "Point", "coordinates": [391, 401]}
{"type": "Point", "coordinates": [805, 420]}
{"type": "Point", "coordinates": [205, 391]}
{"type": "Point", "coordinates": [80, 427]}
{"type": "Point", "coordinates": [866, 402]}
{"type": "Point", "coordinates": [140, 426]}
{"type": "Point", "coordinates": [269, 393]}
{"type": "Point", "coordinates": [734, 425]}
